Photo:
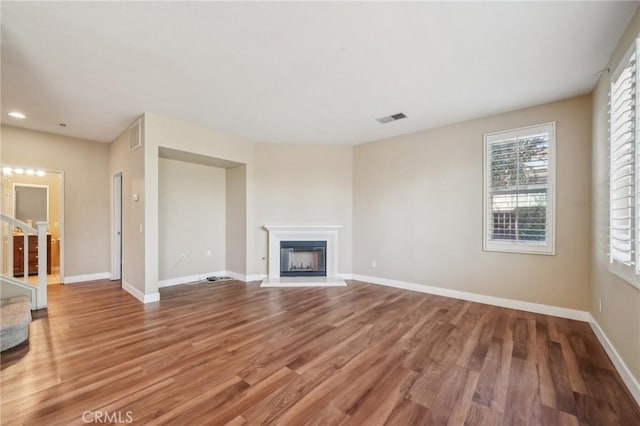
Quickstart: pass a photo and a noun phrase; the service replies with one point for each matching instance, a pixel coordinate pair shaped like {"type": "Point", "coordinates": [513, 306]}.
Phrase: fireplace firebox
{"type": "Point", "coordinates": [303, 258]}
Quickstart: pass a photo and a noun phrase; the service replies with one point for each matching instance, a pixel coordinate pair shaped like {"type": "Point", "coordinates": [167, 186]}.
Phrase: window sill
{"type": "Point", "coordinates": [625, 273]}
{"type": "Point", "coordinates": [506, 247]}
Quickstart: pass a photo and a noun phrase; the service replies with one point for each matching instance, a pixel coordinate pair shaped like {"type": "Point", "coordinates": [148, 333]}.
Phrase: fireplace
{"type": "Point", "coordinates": [303, 258]}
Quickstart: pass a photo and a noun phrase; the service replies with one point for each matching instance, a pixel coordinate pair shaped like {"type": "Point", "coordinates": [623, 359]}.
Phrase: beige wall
{"type": "Point", "coordinates": [303, 185]}
{"type": "Point", "coordinates": [418, 210]}
{"type": "Point", "coordinates": [284, 184]}
{"type": "Point", "coordinates": [169, 133]}
{"type": "Point", "coordinates": [131, 165]}
{"type": "Point", "coordinates": [86, 209]}
{"type": "Point", "coordinates": [620, 318]}
{"type": "Point", "coordinates": [236, 220]}
{"type": "Point", "coordinates": [191, 202]}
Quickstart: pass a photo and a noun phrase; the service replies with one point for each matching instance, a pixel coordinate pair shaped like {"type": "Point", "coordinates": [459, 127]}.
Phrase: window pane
{"type": "Point", "coordinates": [519, 215]}
{"type": "Point", "coordinates": [532, 216]}
{"type": "Point", "coordinates": [504, 164]}
{"type": "Point", "coordinates": [533, 160]}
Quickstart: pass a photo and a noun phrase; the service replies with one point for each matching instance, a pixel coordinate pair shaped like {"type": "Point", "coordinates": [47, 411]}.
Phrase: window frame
{"type": "Point", "coordinates": [520, 247]}
{"type": "Point", "coordinates": [628, 273]}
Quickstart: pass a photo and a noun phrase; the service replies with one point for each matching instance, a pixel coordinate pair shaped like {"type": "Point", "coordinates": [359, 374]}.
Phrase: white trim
{"type": "Point", "coordinates": [144, 298]}
{"type": "Point", "coordinates": [84, 278]}
{"type": "Point", "coordinates": [235, 276]}
{"type": "Point", "coordinates": [538, 308]}
{"type": "Point", "coordinates": [346, 276]}
{"type": "Point", "coordinates": [626, 273]}
{"type": "Point", "coordinates": [254, 277]}
{"type": "Point", "coordinates": [61, 232]}
{"type": "Point", "coordinates": [627, 377]}
{"type": "Point", "coordinates": [188, 279]}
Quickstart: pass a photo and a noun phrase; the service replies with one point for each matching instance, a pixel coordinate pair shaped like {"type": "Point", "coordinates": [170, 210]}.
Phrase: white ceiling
{"type": "Point", "coordinates": [296, 72]}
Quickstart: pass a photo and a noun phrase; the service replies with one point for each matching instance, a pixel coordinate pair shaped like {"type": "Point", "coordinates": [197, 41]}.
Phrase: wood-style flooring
{"type": "Point", "coordinates": [362, 354]}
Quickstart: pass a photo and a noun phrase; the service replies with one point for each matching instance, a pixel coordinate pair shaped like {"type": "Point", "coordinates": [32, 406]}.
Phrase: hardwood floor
{"type": "Point", "coordinates": [364, 354]}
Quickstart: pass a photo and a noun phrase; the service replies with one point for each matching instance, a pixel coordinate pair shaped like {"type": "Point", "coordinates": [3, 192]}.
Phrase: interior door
{"type": "Point", "coordinates": [116, 264]}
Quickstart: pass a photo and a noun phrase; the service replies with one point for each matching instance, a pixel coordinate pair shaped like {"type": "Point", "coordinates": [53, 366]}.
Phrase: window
{"type": "Point", "coordinates": [623, 170]}
{"type": "Point", "coordinates": [519, 178]}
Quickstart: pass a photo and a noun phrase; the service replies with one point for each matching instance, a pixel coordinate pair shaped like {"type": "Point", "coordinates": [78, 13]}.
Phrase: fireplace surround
{"type": "Point", "coordinates": [308, 244]}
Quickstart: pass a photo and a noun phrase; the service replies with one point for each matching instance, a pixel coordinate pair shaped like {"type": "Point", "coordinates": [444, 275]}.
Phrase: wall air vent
{"type": "Point", "coordinates": [390, 118]}
{"type": "Point", "coordinates": [135, 136]}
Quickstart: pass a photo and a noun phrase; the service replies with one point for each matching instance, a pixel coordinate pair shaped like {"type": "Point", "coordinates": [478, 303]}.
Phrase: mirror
{"type": "Point", "coordinates": [31, 203]}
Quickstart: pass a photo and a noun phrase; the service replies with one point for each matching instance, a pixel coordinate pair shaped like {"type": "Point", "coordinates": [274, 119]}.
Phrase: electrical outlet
{"type": "Point", "coordinates": [601, 305]}
{"type": "Point", "coordinates": [208, 253]}
{"type": "Point", "coordinates": [373, 263]}
{"type": "Point", "coordinates": [183, 256]}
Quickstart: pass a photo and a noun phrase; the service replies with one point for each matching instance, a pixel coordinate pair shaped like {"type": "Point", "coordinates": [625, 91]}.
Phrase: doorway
{"type": "Point", "coordinates": [116, 244]}
{"type": "Point", "coordinates": [31, 196]}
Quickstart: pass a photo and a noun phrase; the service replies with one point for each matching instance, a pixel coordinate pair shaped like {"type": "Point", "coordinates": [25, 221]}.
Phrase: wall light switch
{"type": "Point", "coordinates": [135, 197]}
{"type": "Point", "coordinates": [140, 227]}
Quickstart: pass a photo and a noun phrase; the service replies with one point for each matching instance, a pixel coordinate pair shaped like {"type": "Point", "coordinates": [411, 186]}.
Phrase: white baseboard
{"type": "Point", "coordinates": [346, 276]}
{"type": "Point", "coordinates": [538, 308]}
{"type": "Point", "coordinates": [84, 278]}
{"type": "Point", "coordinates": [236, 276]}
{"type": "Point", "coordinates": [245, 278]}
{"type": "Point", "coordinates": [627, 377]}
{"type": "Point", "coordinates": [144, 298]}
{"type": "Point", "coordinates": [256, 277]}
{"type": "Point", "coordinates": [188, 279]}
{"type": "Point", "coordinates": [199, 277]}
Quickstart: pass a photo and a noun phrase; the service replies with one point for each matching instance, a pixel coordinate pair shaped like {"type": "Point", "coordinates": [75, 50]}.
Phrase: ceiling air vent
{"type": "Point", "coordinates": [390, 118]}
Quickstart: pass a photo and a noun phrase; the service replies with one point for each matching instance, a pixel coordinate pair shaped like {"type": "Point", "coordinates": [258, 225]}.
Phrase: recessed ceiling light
{"type": "Point", "coordinates": [19, 171]}
{"type": "Point", "coordinates": [7, 170]}
{"type": "Point", "coordinates": [31, 172]}
{"type": "Point", "coordinates": [40, 173]}
{"type": "Point", "coordinates": [17, 114]}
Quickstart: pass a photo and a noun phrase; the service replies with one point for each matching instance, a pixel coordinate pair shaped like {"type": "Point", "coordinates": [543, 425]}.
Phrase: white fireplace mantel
{"type": "Point", "coordinates": [328, 233]}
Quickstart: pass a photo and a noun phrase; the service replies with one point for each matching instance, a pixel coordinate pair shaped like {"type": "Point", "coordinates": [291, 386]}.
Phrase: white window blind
{"type": "Point", "coordinates": [519, 196]}
{"type": "Point", "coordinates": [623, 171]}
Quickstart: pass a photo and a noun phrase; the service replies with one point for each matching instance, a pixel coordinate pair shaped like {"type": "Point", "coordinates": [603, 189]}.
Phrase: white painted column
{"type": "Point", "coordinates": [42, 265]}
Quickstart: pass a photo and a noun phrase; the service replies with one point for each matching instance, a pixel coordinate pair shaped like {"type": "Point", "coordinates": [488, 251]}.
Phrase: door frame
{"type": "Point", "coordinates": [61, 182]}
{"type": "Point", "coordinates": [116, 221]}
